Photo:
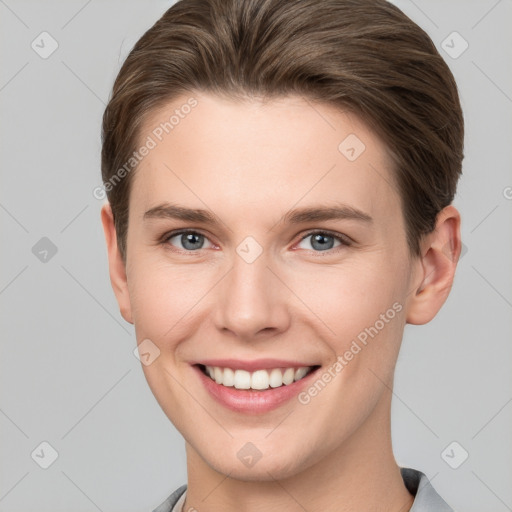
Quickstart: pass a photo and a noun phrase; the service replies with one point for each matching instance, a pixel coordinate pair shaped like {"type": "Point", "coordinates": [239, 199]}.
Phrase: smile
{"type": "Point", "coordinates": [258, 380]}
{"type": "Point", "coordinates": [253, 387]}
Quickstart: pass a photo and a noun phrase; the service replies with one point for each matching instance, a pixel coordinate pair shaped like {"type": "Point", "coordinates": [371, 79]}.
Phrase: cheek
{"type": "Point", "coordinates": [162, 299]}
{"type": "Point", "coordinates": [349, 298]}
{"type": "Point", "coordinates": [359, 310]}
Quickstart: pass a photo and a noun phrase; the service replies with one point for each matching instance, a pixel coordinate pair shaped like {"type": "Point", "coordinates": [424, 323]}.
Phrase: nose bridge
{"type": "Point", "coordinates": [249, 299]}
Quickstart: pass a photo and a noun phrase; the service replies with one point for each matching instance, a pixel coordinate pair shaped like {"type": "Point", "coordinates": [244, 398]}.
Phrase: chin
{"type": "Point", "coordinates": [264, 469]}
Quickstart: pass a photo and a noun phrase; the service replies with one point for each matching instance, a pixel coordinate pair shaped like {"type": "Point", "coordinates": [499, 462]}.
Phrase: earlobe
{"type": "Point", "coordinates": [436, 268]}
{"type": "Point", "coordinates": [117, 268]}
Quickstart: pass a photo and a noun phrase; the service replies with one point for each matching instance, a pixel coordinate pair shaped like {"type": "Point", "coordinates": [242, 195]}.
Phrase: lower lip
{"type": "Point", "coordinates": [250, 401]}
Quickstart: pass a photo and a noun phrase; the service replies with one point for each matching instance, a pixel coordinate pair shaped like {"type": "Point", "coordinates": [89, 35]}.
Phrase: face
{"type": "Point", "coordinates": [295, 267]}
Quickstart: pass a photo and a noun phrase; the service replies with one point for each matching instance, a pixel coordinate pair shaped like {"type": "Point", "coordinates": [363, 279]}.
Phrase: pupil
{"type": "Point", "coordinates": [325, 242]}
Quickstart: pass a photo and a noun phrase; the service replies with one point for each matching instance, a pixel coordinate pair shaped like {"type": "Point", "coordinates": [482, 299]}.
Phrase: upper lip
{"type": "Point", "coordinates": [252, 365]}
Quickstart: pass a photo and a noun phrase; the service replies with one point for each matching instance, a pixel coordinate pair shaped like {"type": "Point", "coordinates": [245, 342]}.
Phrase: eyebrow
{"type": "Point", "coordinates": [171, 211]}
{"type": "Point", "coordinates": [296, 216]}
{"type": "Point", "coordinates": [312, 214]}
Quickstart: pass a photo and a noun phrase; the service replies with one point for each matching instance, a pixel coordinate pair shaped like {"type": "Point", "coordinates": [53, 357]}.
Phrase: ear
{"type": "Point", "coordinates": [116, 265]}
{"type": "Point", "coordinates": [440, 252]}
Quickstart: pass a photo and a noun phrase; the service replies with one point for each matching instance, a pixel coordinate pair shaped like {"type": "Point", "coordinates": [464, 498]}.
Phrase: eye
{"type": "Point", "coordinates": [187, 240]}
{"type": "Point", "coordinates": [322, 241]}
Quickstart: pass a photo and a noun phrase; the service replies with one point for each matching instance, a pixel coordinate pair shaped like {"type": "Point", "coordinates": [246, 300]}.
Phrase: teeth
{"type": "Point", "coordinates": [242, 379]}
{"type": "Point", "coordinates": [228, 378]}
{"type": "Point", "coordinates": [288, 376]}
{"type": "Point", "coordinates": [260, 379]}
{"type": "Point", "coordinates": [276, 378]}
{"type": "Point", "coordinates": [300, 372]}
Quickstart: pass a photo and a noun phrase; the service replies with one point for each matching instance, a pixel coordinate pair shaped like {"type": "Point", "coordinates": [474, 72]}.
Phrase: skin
{"type": "Point", "coordinates": [249, 163]}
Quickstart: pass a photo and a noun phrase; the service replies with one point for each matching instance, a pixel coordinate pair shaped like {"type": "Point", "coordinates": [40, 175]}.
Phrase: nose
{"type": "Point", "coordinates": [251, 302]}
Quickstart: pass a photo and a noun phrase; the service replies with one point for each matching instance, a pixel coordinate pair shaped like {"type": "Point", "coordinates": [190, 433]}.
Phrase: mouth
{"type": "Point", "coordinates": [257, 388]}
{"type": "Point", "coordinates": [259, 380]}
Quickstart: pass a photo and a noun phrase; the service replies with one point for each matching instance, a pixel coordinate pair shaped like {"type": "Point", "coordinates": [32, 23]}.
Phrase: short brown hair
{"type": "Point", "coordinates": [362, 55]}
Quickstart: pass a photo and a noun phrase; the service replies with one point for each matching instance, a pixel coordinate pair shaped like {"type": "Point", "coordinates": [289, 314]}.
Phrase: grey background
{"type": "Point", "coordinates": [68, 373]}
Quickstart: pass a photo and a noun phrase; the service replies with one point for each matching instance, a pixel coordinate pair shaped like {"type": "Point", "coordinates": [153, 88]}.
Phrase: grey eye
{"type": "Point", "coordinates": [190, 241]}
{"type": "Point", "coordinates": [320, 241]}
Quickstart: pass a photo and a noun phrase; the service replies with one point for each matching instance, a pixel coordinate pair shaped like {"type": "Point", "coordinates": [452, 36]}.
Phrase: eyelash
{"type": "Point", "coordinates": [344, 240]}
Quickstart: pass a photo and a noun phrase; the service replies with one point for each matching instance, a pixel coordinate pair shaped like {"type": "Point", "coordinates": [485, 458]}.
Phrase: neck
{"type": "Point", "coordinates": [361, 474]}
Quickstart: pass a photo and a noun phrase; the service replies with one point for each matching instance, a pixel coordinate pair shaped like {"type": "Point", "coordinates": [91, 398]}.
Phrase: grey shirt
{"type": "Point", "coordinates": [426, 498]}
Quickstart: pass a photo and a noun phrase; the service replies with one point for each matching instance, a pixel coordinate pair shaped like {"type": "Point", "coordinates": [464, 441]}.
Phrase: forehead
{"type": "Point", "coordinates": [260, 155]}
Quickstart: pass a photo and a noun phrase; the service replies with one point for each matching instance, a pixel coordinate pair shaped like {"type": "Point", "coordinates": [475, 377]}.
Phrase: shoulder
{"type": "Point", "coordinates": [169, 503]}
{"type": "Point", "coordinates": [426, 498]}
